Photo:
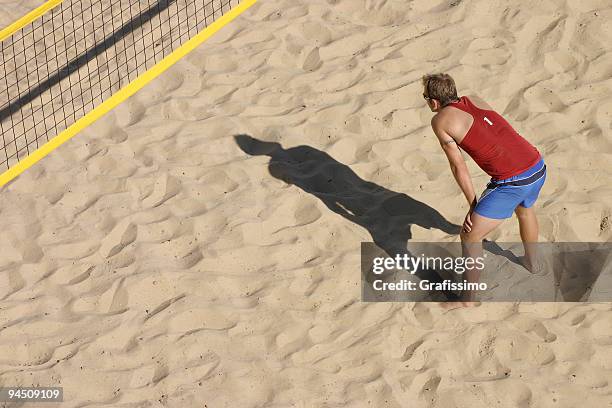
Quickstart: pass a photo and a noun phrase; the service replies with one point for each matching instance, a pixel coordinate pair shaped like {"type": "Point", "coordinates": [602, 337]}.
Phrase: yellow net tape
{"type": "Point", "coordinates": [69, 62]}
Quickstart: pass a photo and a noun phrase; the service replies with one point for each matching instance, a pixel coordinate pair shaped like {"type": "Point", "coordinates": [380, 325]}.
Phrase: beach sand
{"type": "Point", "coordinates": [173, 255]}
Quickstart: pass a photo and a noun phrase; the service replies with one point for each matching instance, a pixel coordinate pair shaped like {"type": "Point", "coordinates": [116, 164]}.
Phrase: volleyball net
{"type": "Point", "coordinates": [76, 54]}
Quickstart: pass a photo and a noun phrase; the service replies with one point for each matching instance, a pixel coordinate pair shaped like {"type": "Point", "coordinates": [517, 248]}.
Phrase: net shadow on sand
{"type": "Point", "coordinates": [75, 64]}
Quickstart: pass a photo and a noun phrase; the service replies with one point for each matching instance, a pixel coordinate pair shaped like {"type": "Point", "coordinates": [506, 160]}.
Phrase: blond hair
{"type": "Point", "coordinates": [441, 87]}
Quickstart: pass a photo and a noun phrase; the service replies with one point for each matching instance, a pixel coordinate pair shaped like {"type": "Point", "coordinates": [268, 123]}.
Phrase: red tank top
{"type": "Point", "coordinates": [493, 144]}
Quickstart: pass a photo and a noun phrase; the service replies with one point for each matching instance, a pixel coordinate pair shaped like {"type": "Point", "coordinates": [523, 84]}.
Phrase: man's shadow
{"type": "Point", "coordinates": [387, 215]}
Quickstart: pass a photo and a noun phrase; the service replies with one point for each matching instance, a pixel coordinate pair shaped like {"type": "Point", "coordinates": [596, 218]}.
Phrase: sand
{"type": "Point", "coordinates": [161, 258]}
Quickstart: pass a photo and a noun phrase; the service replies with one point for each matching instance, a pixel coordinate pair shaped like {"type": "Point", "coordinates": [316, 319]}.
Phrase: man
{"type": "Point", "coordinates": [516, 168]}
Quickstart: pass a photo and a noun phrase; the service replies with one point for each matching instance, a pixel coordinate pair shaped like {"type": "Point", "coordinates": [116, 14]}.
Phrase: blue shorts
{"type": "Point", "coordinates": [500, 202]}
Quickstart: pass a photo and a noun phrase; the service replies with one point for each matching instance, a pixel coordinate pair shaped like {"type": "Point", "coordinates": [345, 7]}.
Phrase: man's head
{"type": "Point", "coordinates": [439, 90]}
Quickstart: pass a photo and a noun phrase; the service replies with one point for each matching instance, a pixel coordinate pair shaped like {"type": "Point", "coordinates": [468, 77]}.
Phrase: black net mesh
{"type": "Point", "coordinates": [62, 65]}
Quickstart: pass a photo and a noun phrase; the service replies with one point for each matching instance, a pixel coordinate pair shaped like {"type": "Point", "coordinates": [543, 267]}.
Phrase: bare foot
{"type": "Point", "coordinates": [535, 268]}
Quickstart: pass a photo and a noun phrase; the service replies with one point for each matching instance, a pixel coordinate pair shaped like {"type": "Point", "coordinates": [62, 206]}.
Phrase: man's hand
{"type": "Point", "coordinates": [467, 222]}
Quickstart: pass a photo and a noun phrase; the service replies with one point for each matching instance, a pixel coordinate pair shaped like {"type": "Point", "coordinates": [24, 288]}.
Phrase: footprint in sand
{"type": "Point", "coordinates": [165, 187]}
{"type": "Point", "coordinates": [541, 99]}
{"type": "Point", "coordinates": [123, 234]}
{"type": "Point", "coordinates": [312, 60]}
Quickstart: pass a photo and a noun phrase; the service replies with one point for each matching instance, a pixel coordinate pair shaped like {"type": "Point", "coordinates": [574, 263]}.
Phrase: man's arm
{"type": "Point", "coordinates": [455, 159]}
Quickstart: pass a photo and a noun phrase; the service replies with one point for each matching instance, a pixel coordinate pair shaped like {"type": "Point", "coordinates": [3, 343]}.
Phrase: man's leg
{"type": "Point", "coordinates": [472, 246]}
{"type": "Point", "coordinates": [529, 229]}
